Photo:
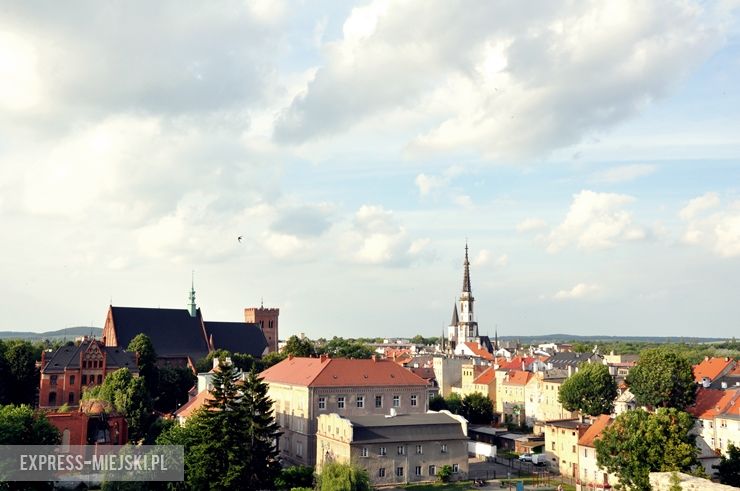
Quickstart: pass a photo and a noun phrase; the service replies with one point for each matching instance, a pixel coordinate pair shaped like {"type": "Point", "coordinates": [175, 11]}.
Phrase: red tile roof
{"type": "Point", "coordinates": [516, 362]}
{"type": "Point", "coordinates": [340, 372]}
{"type": "Point", "coordinates": [712, 402]}
{"type": "Point", "coordinates": [486, 377]}
{"type": "Point", "coordinates": [711, 368]}
{"type": "Point", "coordinates": [594, 431]}
{"type": "Point", "coordinates": [187, 409]}
{"type": "Point", "coordinates": [479, 351]}
{"type": "Point", "coordinates": [518, 377]}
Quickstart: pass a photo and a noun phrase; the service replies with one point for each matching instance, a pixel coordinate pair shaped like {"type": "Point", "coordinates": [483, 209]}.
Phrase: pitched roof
{"type": "Point", "coordinates": [406, 427]}
{"type": "Point", "coordinates": [518, 377]}
{"type": "Point", "coordinates": [568, 358]}
{"type": "Point", "coordinates": [340, 372]}
{"type": "Point", "coordinates": [197, 402]}
{"type": "Point", "coordinates": [594, 431]}
{"type": "Point", "coordinates": [478, 351]}
{"type": "Point", "coordinates": [711, 402]}
{"type": "Point", "coordinates": [173, 332]}
{"type": "Point", "coordinates": [69, 357]}
{"type": "Point", "coordinates": [488, 376]}
{"type": "Point", "coordinates": [427, 373]}
{"type": "Point", "coordinates": [516, 362]}
{"type": "Point", "coordinates": [237, 337]}
{"type": "Point", "coordinates": [712, 368]}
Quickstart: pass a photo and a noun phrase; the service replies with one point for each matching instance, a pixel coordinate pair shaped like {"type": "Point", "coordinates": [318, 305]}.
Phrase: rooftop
{"type": "Point", "coordinates": [594, 431]}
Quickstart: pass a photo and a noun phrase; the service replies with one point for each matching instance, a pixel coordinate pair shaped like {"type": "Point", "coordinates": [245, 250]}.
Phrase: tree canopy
{"type": "Point", "coordinates": [147, 362]}
{"type": "Point", "coordinates": [591, 390]}
{"type": "Point", "coordinates": [129, 396]}
{"type": "Point", "coordinates": [638, 443]}
{"type": "Point", "coordinates": [345, 348]}
{"type": "Point", "coordinates": [728, 469]}
{"type": "Point", "coordinates": [20, 425]}
{"type": "Point", "coordinates": [662, 378]}
{"type": "Point", "coordinates": [477, 408]}
{"type": "Point", "coordinates": [20, 378]}
{"type": "Point", "coordinates": [299, 347]}
{"type": "Point", "coordinates": [231, 443]}
{"type": "Point", "coordinates": [343, 477]}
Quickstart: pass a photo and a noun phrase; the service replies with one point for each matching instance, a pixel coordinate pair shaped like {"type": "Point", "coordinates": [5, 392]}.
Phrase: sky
{"type": "Point", "coordinates": [588, 152]}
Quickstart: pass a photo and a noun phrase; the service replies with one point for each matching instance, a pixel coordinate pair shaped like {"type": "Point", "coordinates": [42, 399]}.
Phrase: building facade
{"type": "Point", "coordinates": [561, 445]}
{"type": "Point", "coordinates": [395, 448]}
{"type": "Point", "coordinates": [67, 372]}
{"type": "Point", "coordinates": [304, 388]}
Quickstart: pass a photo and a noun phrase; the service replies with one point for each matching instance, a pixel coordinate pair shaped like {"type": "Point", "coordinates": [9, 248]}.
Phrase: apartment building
{"type": "Point", "coordinates": [561, 445]}
{"type": "Point", "coordinates": [590, 475]}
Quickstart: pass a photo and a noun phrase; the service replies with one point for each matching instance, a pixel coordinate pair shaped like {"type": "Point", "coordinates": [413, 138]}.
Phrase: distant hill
{"type": "Point", "coordinates": [564, 338]}
{"type": "Point", "coordinates": [69, 333]}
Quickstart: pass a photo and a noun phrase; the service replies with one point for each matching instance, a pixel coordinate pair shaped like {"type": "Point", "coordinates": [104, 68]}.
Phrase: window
{"type": "Point", "coordinates": [100, 379]}
{"type": "Point", "coordinates": [399, 471]}
{"type": "Point", "coordinates": [413, 401]}
{"type": "Point", "coordinates": [455, 468]}
{"type": "Point", "coordinates": [322, 402]}
{"type": "Point", "coordinates": [378, 401]}
{"type": "Point", "coordinates": [396, 401]}
{"type": "Point", "coordinates": [299, 449]}
{"type": "Point", "coordinates": [52, 398]}
{"type": "Point", "coordinates": [432, 470]}
{"type": "Point", "coordinates": [381, 472]}
{"type": "Point", "coordinates": [71, 380]}
{"type": "Point", "coordinates": [585, 452]}
{"type": "Point", "coordinates": [417, 471]}
{"type": "Point", "coordinates": [444, 448]}
{"type": "Point", "coordinates": [340, 402]}
{"type": "Point", "coordinates": [53, 380]}
{"type": "Point", "coordinates": [418, 450]}
{"type": "Point", "coordinates": [401, 450]}
{"type": "Point", "coordinates": [552, 446]}
{"type": "Point", "coordinates": [360, 401]}
{"type": "Point", "coordinates": [381, 451]}
{"type": "Point", "coordinates": [84, 379]}
{"type": "Point", "coordinates": [71, 398]}
{"type": "Point", "coordinates": [574, 449]}
{"type": "Point", "coordinates": [363, 452]}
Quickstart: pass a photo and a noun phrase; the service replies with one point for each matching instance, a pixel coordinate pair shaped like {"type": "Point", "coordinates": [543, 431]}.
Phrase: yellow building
{"type": "Point", "coordinates": [590, 475]}
{"type": "Point", "coordinates": [561, 445]}
{"type": "Point", "coordinates": [550, 408]}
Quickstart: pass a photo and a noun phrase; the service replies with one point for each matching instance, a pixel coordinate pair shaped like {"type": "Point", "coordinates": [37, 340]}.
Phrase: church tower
{"type": "Point", "coordinates": [468, 328]}
{"type": "Point", "coordinates": [463, 327]}
{"type": "Point", "coordinates": [192, 308]}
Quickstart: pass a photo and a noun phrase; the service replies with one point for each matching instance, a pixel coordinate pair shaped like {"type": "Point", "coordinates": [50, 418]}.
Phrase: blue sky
{"type": "Point", "coordinates": [587, 151]}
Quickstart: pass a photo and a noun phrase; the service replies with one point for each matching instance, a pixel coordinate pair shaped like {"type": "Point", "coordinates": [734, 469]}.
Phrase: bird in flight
{"type": "Point", "coordinates": [240, 238]}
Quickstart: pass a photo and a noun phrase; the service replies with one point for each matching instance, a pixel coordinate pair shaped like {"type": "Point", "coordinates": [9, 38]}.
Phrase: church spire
{"type": "Point", "coordinates": [455, 319]}
{"type": "Point", "coordinates": [466, 277]}
{"type": "Point", "coordinates": [192, 308]}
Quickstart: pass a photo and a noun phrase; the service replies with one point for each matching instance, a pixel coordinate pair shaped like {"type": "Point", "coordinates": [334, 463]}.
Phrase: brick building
{"type": "Point", "coordinates": [94, 423]}
{"type": "Point", "coordinates": [303, 388]}
{"type": "Point", "coordinates": [70, 369]}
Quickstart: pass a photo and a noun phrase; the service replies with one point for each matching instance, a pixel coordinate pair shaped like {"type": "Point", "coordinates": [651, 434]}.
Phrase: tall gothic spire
{"type": "Point", "coordinates": [192, 308]}
{"type": "Point", "coordinates": [466, 277]}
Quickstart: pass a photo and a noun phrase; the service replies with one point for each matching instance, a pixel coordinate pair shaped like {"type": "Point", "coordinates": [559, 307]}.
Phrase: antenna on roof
{"type": "Point", "coordinates": [262, 302]}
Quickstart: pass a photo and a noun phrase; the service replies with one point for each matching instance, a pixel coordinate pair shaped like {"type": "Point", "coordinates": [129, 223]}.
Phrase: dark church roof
{"type": "Point", "coordinates": [69, 357]}
{"type": "Point", "coordinates": [455, 320]}
{"type": "Point", "coordinates": [173, 332]}
{"type": "Point", "coordinates": [237, 337]}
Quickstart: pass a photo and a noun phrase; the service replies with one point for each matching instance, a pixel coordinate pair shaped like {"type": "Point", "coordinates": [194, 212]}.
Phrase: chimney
{"type": "Point", "coordinates": [724, 385]}
{"type": "Point", "coordinates": [43, 359]}
{"type": "Point", "coordinates": [375, 357]}
{"type": "Point", "coordinates": [705, 382]}
{"type": "Point", "coordinates": [706, 358]}
{"type": "Point", "coordinates": [290, 356]}
{"type": "Point", "coordinates": [323, 357]}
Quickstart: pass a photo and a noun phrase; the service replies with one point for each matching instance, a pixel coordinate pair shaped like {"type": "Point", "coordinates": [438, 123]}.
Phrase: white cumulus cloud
{"type": "Point", "coordinates": [718, 230]}
{"type": "Point", "coordinates": [581, 290]}
{"type": "Point", "coordinates": [595, 221]}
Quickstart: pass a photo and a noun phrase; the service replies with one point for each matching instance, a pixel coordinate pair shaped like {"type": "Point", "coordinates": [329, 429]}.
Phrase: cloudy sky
{"type": "Point", "coordinates": [589, 152]}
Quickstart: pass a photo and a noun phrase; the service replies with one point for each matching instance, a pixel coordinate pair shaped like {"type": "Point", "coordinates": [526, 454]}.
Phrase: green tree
{"type": "Point", "coordinates": [231, 443]}
{"type": "Point", "coordinates": [297, 476]}
{"type": "Point", "coordinates": [172, 389]}
{"type": "Point", "coordinates": [299, 347]}
{"type": "Point", "coordinates": [23, 381]}
{"type": "Point", "coordinates": [662, 378]}
{"type": "Point", "coordinates": [147, 361]}
{"type": "Point", "coordinates": [444, 474]}
{"type": "Point", "coordinates": [454, 403]}
{"type": "Point", "coordinates": [638, 443]}
{"type": "Point", "coordinates": [271, 359]}
{"type": "Point", "coordinates": [4, 375]}
{"type": "Point", "coordinates": [591, 390]}
{"type": "Point", "coordinates": [343, 477]}
{"type": "Point", "coordinates": [130, 397]}
{"type": "Point", "coordinates": [20, 425]}
{"type": "Point", "coordinates": [437, 403]}
{"type": "Point", "coordinates": [728, 469]}
{"type": "Point", "coordinates": [205, 364]}
{"type": "Point", "coordinates": [477, 408]}
{"type": "Point", "coordinates": [345, 348]}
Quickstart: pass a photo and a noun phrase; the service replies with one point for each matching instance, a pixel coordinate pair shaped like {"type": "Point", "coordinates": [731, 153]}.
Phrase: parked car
{"type": "Point", "coordinates": [534, 458]}
{"type": "Point", "coordinates": [525, 457]}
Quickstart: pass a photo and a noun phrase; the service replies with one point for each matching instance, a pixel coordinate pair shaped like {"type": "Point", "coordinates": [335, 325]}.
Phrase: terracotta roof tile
{"type": "Point", "coordinates": [712, 402]}
{"type": "Point", "coordinates": [340, 372]}
{"type": "Point", "coordinates": [486, 377]}
{"type": "Point", "coordinates": [518, 377]}
{"type": "Point", "coordinates": [478, 351]}
{"type": "Point", "coordinates": [711, 368]}
{"type": "Point", "coordinates": [187, 409]}
{"type": "Point", "coordinates": [594, 431]}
